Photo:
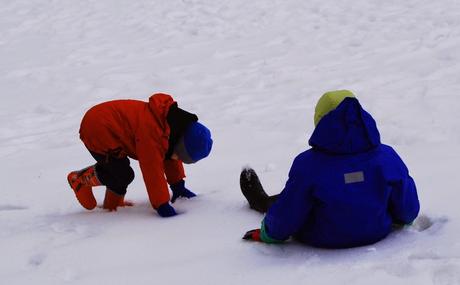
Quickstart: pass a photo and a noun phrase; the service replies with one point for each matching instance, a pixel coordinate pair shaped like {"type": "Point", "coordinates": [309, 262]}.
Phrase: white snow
{"type": "Point", "coordinates": [252, 71]}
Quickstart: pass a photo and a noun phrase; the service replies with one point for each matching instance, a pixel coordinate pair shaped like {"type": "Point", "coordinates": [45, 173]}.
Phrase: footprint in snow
{"type": "Point", "coordinates": [11, 208]}
{"type": "Point", "coordinates": [425, 223]}
{"type": "Point", "coordinates": [37, 259]}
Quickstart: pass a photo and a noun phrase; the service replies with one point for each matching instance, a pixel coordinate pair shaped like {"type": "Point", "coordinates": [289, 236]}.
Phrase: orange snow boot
{"type": "Point", "coordinates": [81, 182]}
{"type": "Point", "coordinates": [112, 201]}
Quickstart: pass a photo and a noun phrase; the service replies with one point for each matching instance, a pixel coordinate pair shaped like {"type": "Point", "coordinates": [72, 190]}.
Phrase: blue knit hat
{"type": "Point", "coordinates": [195, 144]}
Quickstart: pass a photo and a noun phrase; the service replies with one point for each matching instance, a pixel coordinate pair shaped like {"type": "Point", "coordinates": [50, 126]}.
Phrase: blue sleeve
{"type": "Point", "coordinates": [404, 204]}
{"type": "Point", "coordinates": [289, 213]}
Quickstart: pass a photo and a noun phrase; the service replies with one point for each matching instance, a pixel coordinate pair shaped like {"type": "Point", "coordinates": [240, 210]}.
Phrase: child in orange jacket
{"type": "Point", "coordinates": [158, 134]}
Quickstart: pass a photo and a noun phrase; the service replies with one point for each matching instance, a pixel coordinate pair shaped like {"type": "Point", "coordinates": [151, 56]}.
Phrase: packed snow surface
{"type": "Point", "coordinates": [252, 71]}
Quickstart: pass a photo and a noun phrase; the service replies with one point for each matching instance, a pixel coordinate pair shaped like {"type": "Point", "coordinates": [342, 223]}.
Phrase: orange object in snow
{"type": "Point", "coordinates": [140, 131]}
{"type": "Point", "coordinates": [112, 201]}
{"type": "Point", "coordinates": [81, 182]}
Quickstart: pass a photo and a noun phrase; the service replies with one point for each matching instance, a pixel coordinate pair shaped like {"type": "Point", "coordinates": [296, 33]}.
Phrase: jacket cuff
{"type": "Point", "coordinates": [264, 235]}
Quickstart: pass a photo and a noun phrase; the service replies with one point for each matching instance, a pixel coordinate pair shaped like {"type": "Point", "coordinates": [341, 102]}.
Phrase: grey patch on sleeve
{"type": "Point", "coordinates": [354, 177]}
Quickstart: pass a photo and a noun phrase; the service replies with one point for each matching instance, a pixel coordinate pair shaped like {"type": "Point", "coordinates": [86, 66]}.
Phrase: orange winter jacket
{"type": "Point", "coordinates": [140, 131]}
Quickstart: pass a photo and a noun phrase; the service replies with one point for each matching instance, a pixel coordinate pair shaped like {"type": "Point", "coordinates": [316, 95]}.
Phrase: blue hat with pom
{"type": "Point", "coordinates": [195, 144]}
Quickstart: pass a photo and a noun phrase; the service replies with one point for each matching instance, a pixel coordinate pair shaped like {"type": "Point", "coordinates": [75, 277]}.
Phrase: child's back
{"type": "Point", "coordinates": [348, 189]}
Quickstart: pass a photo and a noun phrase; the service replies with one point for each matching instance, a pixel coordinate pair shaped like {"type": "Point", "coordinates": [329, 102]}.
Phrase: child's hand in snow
{"type": "Point", "coordinates": [253, 235]}
{"type": "Point", "coordinates": [179, 190]}
{"type": "Point", "coordinates": [166, 210]}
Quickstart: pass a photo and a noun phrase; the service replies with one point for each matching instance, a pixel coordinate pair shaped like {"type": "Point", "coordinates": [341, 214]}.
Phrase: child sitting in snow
{"type": "Point", "coordinates": [346, 191]}
{"type": "Point", "coordinates": [157, 133]}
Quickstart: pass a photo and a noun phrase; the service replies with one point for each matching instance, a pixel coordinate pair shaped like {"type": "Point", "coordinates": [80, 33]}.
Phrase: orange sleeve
{"type": "Point", "coordinates": [174, 170]}
{"type": "Point", "coordinates": [153, 171]}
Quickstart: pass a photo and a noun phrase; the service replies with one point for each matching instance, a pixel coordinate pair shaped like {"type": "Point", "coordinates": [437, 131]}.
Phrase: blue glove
{"type": "Point", "coordinates": [166, 210]}
{"type": "Point", "coordinates": [179, 190]}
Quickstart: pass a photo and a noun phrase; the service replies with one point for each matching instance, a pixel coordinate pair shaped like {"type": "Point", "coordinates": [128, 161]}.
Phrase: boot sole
{"type": "Point", "coordinates": [253, 190]}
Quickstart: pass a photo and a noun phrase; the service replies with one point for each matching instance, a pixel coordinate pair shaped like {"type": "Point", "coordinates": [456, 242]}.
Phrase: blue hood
{"type": "Point", "coordinates": [346, 130]}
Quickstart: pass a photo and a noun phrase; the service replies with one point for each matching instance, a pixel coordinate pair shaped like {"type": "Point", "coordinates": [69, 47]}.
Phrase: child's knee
{"type": "Point", "coordinates": [123, 177]}
{"type": "Point", "coordinates": [120, 181]}
{"type": "Point", "coordinates": [129, 176]}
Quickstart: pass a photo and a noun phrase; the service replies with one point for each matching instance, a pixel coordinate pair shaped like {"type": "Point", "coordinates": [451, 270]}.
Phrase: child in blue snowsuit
{"type": "Point", "coordinates": [346, 191]}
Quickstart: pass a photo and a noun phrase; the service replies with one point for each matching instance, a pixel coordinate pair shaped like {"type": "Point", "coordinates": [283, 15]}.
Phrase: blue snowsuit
{"type": "Point", "coordinates": [346, 190]}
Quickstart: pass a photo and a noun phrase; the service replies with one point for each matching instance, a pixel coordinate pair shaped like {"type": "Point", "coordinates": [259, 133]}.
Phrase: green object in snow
{"type": "Point", "coordinates": [265, 237]}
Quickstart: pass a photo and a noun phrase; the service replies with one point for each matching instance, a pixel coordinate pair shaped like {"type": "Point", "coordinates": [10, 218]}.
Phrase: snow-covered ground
{"type": "Point", "coordinates": [252, 71]}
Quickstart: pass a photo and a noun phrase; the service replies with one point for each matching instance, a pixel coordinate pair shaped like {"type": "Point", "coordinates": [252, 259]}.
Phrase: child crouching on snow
{"type": "Point", "coordinates": [158, 134]}
{"type": "Point", "coordinates": [346, 191]}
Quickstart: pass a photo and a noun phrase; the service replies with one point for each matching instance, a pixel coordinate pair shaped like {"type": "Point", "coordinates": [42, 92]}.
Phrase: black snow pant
{"type": "Point", "coordinates": [265, 204]}
{"type": "Point", "coordinates": [115, 173]}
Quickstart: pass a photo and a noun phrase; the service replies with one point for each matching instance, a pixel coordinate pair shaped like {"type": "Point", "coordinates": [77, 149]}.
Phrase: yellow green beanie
{"type": "Point", "coordinates": [329, 101]}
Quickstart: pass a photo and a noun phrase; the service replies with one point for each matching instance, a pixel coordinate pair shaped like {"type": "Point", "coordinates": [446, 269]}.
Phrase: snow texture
{"type": "Point", "coordinates": [252, 71]}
